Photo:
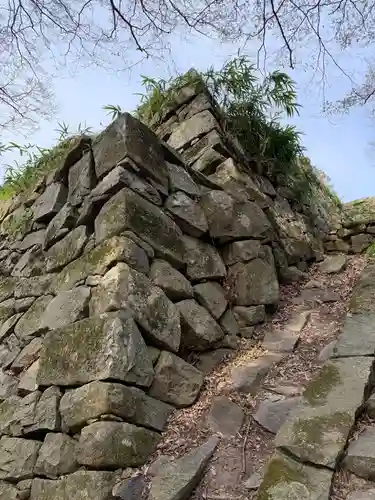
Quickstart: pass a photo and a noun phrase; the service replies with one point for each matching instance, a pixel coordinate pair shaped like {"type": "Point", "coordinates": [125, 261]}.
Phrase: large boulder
{"type": "Point", "coordinates": [99, 259]}
{"type": "Point", "coordinates": [128, 210]}
{"type": "Point", "coordinates": [362, 300]}
{"type": "Point", "coordinates": [108, 346]}
{"type": "Point", "coordinates": [114, 445]}
{"type": "Point", "coordinates": [176, 382]}
{"type": "Point", "coordinates": [123, 287]}
{"type": "Point", "coordinates": [92, 400]}
{"type": "Point", "coordinates": [229, 219]}
{"type": "Point", "coordinates": [81, 179]}
{"type": "Point", "coordinates": [166, 277]}
{"type": "Point", "coordinates": [67, 249]}
{"type": "Point", "coordinates": [67, 307]}
{"type": "Point", "coordinates": [211, 295]}
{"type": "Point", "coordinates": [187, 213]}
{"type": "Point", "coordinates": [199, 329]}
{"type": "Point", "coordinates": [17, 458]}
{"type": "Point", "coordinates": [195, 127]}
{"type": "Point", "coordinates": [93, 485]}
{"type": "Point", "coordinates": [360, 456]}
{"type": "Point", "coordinates": [202, 260]}
{"type": "Point", "coordinates": [50, 202]}
{"type": "Point", "coordinates": [56, 456]}
{"type": "Point", "coordinates": [253, 283]}
{"type": "Point", "coordinates": [176, 479]}
{"type": "Point", "coordinates": [128, 137]}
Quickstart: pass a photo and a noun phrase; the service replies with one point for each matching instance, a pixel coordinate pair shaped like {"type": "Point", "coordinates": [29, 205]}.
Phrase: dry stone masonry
{"type": "Point", "coordinates": [118, 266]}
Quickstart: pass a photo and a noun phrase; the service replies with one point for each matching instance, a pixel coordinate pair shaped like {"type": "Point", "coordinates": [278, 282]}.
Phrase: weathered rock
{"type": "Point", "coordinates": [370, 406]}
{"type": "Point", "coordinates": [123, 287]}
{"type": "Point", "coordinates": [33, 287]}
{"type": "Point", "coordinates": [99, 259]}
{"type": "Point", "coordinates": [248, 378]}
{"type": "Point", "coordinates": [273, 412]}
{"type": "Point", "coordinates": [229, 219]}
{"type": "Point", "coordinates": [360, 456]}
{"type": "Point", "coordinates": [27, 382]}
{"type": "Point", "coordinates": [207, 361]}
{"type": "Point", "coordinates": [247, 332]}
{"type": "Point", "coordinates": [176, 382]}
{"type": "Point", "coordinates": [127, 210]}
{"type": "Point", "coordinates": [106, 346]}
{"type": "Point", "coordinates": [32, 263]}
{"type": "Point", "coordinates": [56, 456]}
{"type": "Point", "coordinates": [8, 386]}
{"type": "Point", "coordinates": [63, 221]}
{"type": "Point", "coordinates": [229, 324]}
{"type": "Point", "coordinates": [175, 285]}
{"type": "Point", "coordinates": [357, 337]}
{"type": "Point", "coordinates": [211, 296]}
{"type": "Point", "coordinates": [132, 488]}
{"type": "Point", "coordinates": [8, 492]}
{"type": "Point", "coordinates": [91, 401]}
{"type": "Point", "coordinates": [241, 251]}
{"type": "Point", "coordinates": [115, 444]}
{"type": "Point", "coordinates": [180, 180]}
{"type": "Point", "coordinates": [362, 300]}
{"type": "Point", "coordinates": [67, 249]}
{"type": "Point", "coordinates": [196, 126]}
{"type": "Point", "coordinates": [46, 416]}
{"type": "Point", "coordinates": [123, 176]}
{"type": "Point", "coordinates": [36, 238]}
{"type": "Point", "coordinates": [202, 260]}
{"type": "Point", "coordinates": [17, 458]}
{"type": "Point", "coordinates": [66, 308]}
{"type": "Point", "coordinates": [249, 316]}
{"type": "Point", "coordinates": [154, 353]}
{"type": "Point", "coordinates": [50, 202]}
{"type": "Point", "coordinates": [333, 264]}
{"type": "Point", "coordinates": [81, 179]}
{"type": "Point", "coordinates": [360, 242]}
{"type": "Point", "coordinates": [128, 137]}
{"type": "Point", "coordinates": [253, 283]}
{"type": "Point", "coordinates": [22, 305]}
{"type": "Point", "coordinates": [280, 340]}
{"type": "Point", "coordinates": [187, 213]}
{"type": "Point", "coordinates": [28, 355]}
{"type": "Point", "coordinates": [176, 479]}
{"type": "Point", "coordinates": [208, 161]}
{"type": "Point", "coordinates": [199, 330]}
{"type": "Point", "coordinates": [287, 479]}
{"type": "Point", "coordinates": [8, 325]}
{"type": "Point", "coordinates": [317, 429]}
{"type": "Point", "coordinates": [7, 288]}
{"type": "Point", "coordinates": [81, 485]}
{"type": "Point", "coordinates": [314, 296]}
{"type": "Point", "coordinates": [225, 416]}
{"type": "Point", "coordinates": [337, 246]}
{"type": "Point", "coordinates": [9, 350]}
{"type": "Point", "coordinates": [31, 321]}
{"type": "Point", "coordinates": [368, 494]}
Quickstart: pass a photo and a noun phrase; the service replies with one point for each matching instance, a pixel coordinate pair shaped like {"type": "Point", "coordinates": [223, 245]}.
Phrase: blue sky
{"type": "Point", "coordinates": [339, 145]}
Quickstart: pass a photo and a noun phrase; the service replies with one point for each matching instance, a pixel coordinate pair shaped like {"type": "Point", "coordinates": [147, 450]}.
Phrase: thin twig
{"type": "Point", "coordinates": [244, 447]}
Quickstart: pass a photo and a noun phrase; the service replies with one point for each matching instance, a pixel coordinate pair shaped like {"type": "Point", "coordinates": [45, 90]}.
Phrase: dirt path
{"type": "Point", "coordinates": [238, 457]}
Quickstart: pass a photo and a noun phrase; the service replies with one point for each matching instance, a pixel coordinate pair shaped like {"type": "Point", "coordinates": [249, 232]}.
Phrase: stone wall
{"type": "Point", "coordinates": [115, 268]}
{"type": "Point", "coordinates": [357, 231]}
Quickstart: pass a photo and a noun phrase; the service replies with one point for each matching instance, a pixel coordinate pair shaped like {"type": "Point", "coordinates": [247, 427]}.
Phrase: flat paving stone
{"type": "Point", "coordinates": [287, 479]}
{"type": "Point", "coordinates": [357, 337]}
{"type": "Point", "coordinates": [225, 416]}
{"type": "Point", "coordinates": [318, 428]}
{"type": "Point", "coordinates": [273, 412]}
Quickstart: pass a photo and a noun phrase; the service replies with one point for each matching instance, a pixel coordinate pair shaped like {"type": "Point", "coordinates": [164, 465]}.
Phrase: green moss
{"type": "Point", "coordinates": [371, 250]}
{"type": "Point", "coordinates": [311, 433]}
{"type": "Point", "coordinates": [318, 389]}
{"type": "Point", "coordinates": [279, 471]}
